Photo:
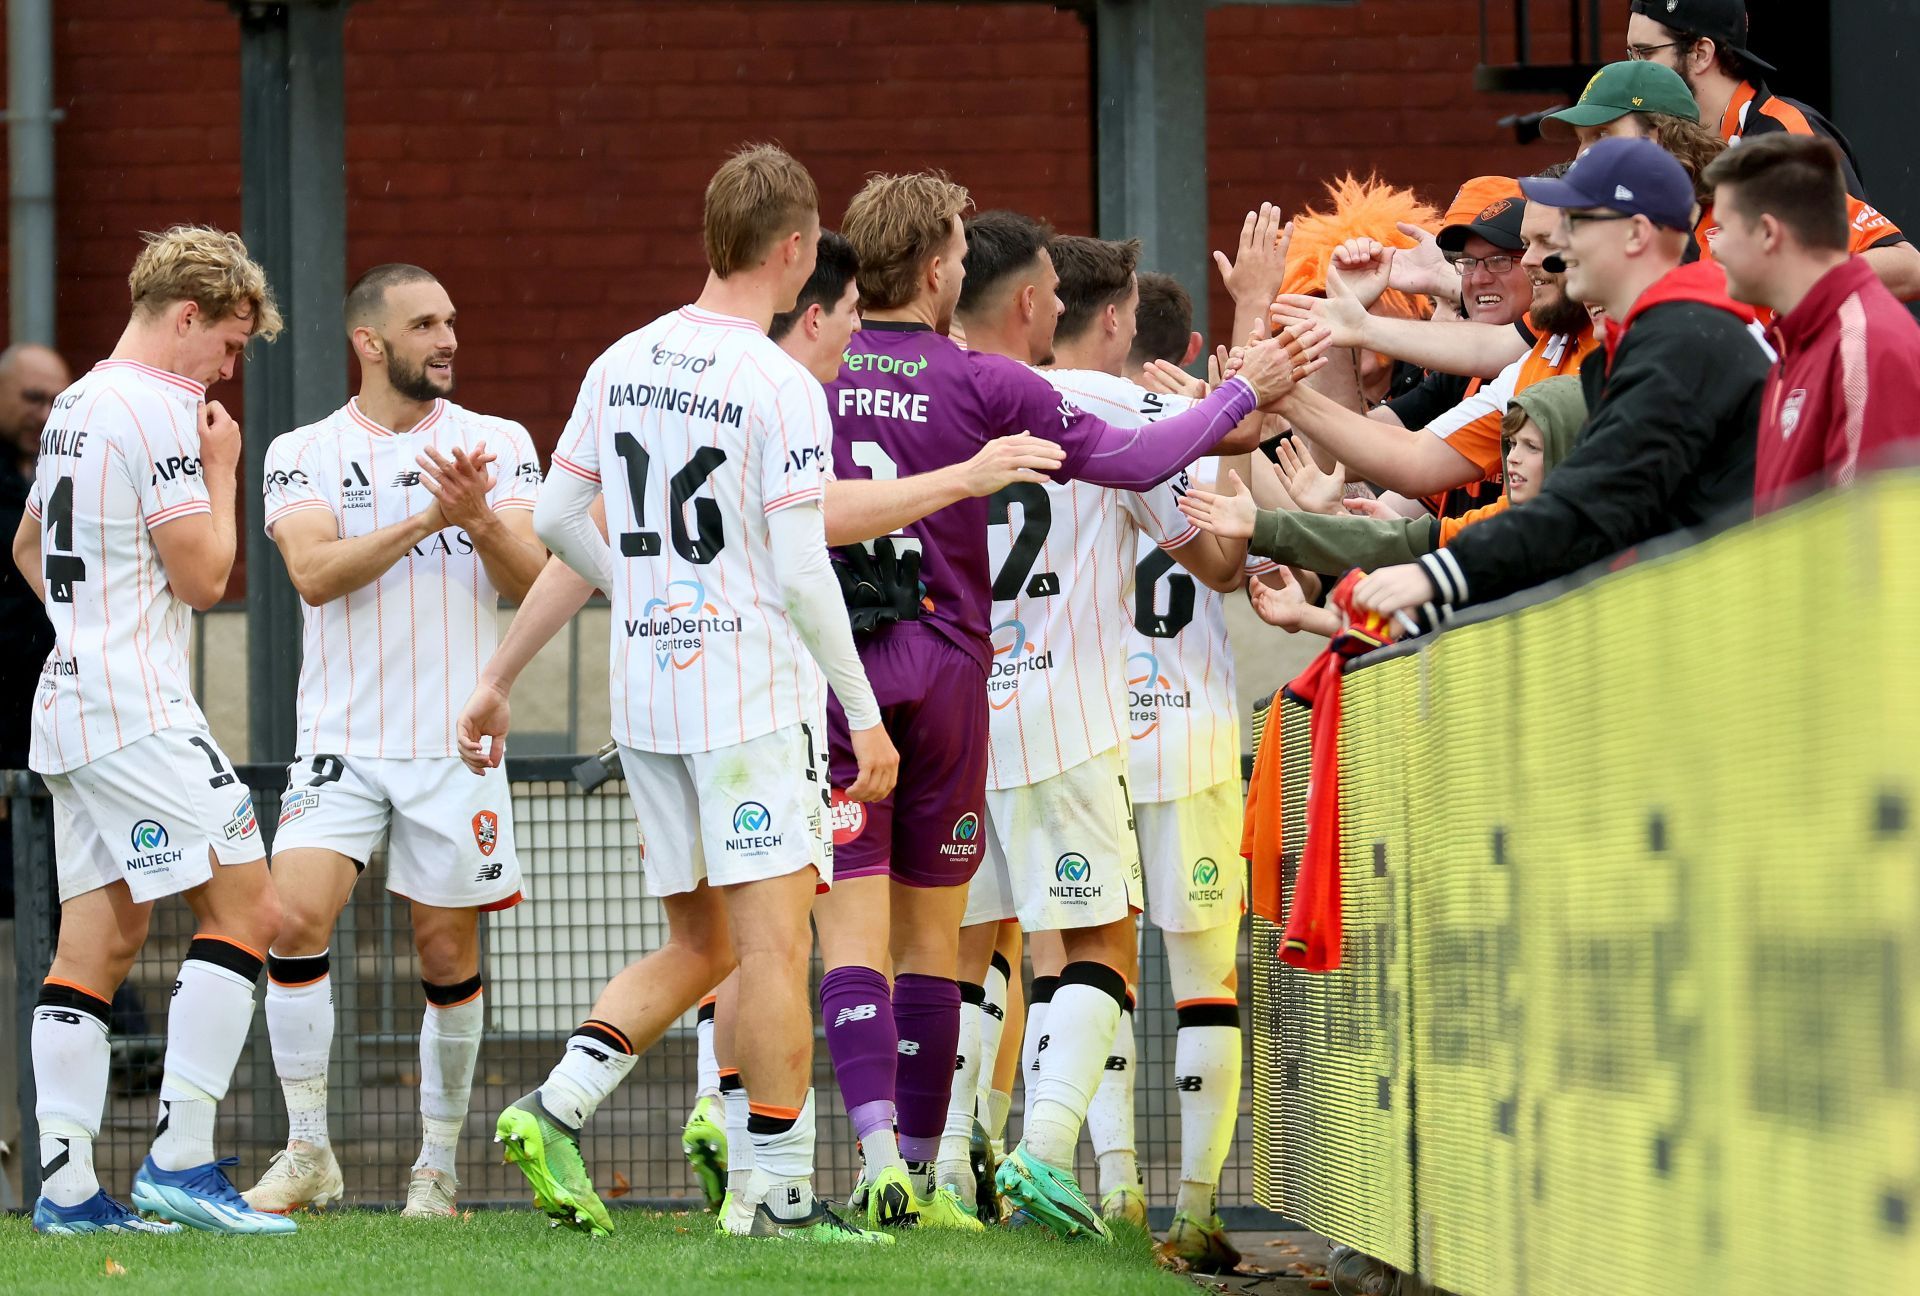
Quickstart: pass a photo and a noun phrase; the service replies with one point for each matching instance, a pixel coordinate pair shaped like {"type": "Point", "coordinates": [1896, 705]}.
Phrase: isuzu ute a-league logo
{"type": "Point", "coordinates": [486, 831]}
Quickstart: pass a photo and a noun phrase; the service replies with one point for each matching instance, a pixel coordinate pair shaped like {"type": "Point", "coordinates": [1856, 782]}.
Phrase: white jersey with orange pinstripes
{"type": "Point", "coordinates": [698, 427]}
{"type": "Point", "coordinates": [385, 669]}
{"type": "Point", "coordinates": [1182, 710]}
{"type": "Point", "coordinates": [119, 457]}
{"type": "Point", "coordinates": [1063, 558]}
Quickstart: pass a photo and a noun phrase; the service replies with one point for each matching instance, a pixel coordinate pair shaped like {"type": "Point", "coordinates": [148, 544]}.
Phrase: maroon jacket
{"type": "Point", "coordinates": [1846, 386]}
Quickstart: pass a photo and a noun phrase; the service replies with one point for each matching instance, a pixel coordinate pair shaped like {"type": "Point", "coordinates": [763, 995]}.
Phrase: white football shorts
{"type": "Point", "coordinates": [1060, 853]}
{"type": "Point", "coordinates": [149, 814]}
{"type": "Point", "coordinates": [744, 813]}
{"type": "Point", "coordinates": [449, 832]}
{"type": "Point", "coordinates": [1190, 853]}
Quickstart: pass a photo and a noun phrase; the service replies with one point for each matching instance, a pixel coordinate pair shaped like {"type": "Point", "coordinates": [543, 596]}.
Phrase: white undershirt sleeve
{"type": "Point", "coordinates": [799, 537]}
{"type": "Point", "coordinates": [561, 520]}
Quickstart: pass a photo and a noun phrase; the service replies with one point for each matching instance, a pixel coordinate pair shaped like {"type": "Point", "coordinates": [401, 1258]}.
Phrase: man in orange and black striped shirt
{"type": "Point", "coordinates": [1705, 41]}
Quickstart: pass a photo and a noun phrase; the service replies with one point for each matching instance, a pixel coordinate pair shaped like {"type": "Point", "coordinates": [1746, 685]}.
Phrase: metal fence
{"type": "Point", "coordinates": [586, 916]}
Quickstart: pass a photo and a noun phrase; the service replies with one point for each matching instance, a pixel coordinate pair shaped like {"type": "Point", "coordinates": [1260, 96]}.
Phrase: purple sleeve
{"type": "Point", "coordinates": [1123, 458]}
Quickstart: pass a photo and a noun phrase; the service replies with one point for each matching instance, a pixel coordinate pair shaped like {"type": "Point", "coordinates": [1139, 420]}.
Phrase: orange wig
{"type": "Point", "coordinates": [1361, 209]}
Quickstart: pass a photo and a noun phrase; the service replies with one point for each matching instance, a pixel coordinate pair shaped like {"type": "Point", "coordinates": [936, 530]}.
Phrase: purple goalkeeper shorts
{"type": "Point", "coordinates": [933, 700]}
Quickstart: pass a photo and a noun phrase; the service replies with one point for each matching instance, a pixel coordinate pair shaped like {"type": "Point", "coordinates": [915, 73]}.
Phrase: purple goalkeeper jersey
{"type": "Point", "coordinates": [908, 401]}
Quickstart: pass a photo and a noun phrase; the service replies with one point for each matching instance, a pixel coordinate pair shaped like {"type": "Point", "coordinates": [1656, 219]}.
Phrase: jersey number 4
{"type": "Point", "coordinates": [705, 541]}
{"type": "Point", "coordinates": [63, 570]}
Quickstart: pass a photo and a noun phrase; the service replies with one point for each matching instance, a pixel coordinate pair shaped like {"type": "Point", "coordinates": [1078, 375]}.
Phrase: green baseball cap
{"type": "Point", "coordinates": [1620, 88]}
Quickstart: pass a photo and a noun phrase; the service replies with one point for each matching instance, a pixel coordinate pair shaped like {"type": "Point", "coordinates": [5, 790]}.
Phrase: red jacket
{"type": "Point", "coordinates": [1846, 386]}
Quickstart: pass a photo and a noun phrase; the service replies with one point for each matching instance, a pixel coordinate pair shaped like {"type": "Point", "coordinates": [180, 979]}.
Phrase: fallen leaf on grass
{"type": "Point", "coordinates": [113, 1268]}
{"type": "Point", "coordinates": [1281, 1244]}
{"type": "Point", "coordinates": [1320, 1284]}
{"type": "Point", "coordinates": [621, 1186]}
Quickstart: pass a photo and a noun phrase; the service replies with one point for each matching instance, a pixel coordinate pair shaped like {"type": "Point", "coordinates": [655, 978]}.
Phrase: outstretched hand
{"type": "Point", "coordinates": [1230, 514]}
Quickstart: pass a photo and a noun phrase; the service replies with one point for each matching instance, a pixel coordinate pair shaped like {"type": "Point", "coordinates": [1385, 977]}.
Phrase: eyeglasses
{"type": "Point", "coordinates": [1642, 53]}
{"type": "Point", "coordinates": [1494, 265]}
{"type": "Point", "coordinates": [1577, 218]}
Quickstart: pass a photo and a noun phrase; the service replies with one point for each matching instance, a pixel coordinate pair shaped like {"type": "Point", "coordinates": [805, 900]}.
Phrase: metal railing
{"type": "Point", "coordinates": [587, 915]}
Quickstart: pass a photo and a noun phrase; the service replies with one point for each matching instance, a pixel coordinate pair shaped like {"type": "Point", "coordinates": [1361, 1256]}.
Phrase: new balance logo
{"type": "Point", "coordinates": [405, 478]}
{"type": "Point", "coordinates": [490, 873]}
{"type": "Point", "coordinates": [1187, 1084]}
{"type": "Point", "coordinates": [959, 1064]}
{"type": "Point", "coordinates": [1040, 1048]}
{"type": "Point", "coordinates": [994, 1011]}
{"type": "Point", "coordinates": [1116, 1063]}
{"type": "Point", "coordinates": [793, 1196]}
{"type": "Point", "coordinates": [857, 1013]}
{"type": "Point", "coordinates": [593, 1053]}
{"type": "Point", "coordinates": [910, 1048]}
{"type": "Point", "coordinates": [60, 1015]}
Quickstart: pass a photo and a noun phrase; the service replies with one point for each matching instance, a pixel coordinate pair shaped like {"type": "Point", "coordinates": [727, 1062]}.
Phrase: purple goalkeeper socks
{"type": "Point", "coordinates": [861, 1039]}
{"type": "Point", "coordinates": [926, 1009]}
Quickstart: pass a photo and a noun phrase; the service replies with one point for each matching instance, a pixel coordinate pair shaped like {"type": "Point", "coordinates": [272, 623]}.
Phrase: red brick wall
{"type": "Point", "coordinates": [1300, 94]}
{"type": "Point", "coordinates": [546, 157]}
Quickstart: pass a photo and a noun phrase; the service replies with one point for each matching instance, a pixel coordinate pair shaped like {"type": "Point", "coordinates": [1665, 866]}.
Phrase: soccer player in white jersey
{"type": "Point", "coordinates": [725, 616]}
{"type": "Point", "coordinates": [1061, 854]}
{"type": "Point", "coordinates": [129, 526]}
{"type": "Point", "coordinates": [403, 519]}
{"type": "Point", "coordinates": [1184, 755]}
{"type": "Point", "coordinates": [815, 333]}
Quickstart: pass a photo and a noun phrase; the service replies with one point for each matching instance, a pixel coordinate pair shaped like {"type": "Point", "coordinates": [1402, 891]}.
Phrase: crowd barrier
{"type": "Point", "coordinates": [1632, 932]}
{"type": "Point", "coordinates": [587, 915]}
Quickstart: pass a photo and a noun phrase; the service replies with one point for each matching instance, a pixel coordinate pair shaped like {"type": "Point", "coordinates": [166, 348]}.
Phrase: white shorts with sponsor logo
{"type": "Point", "coordinates": [148, 815]}
{"type": "Point", "coordinates": [744, 813]}
{"type": "Point", "coordinates": [1060, 853]}
{"type": "Point", "coordinates": [1190, 852]}
{"type": "Point", "coordinates": [449, 832]}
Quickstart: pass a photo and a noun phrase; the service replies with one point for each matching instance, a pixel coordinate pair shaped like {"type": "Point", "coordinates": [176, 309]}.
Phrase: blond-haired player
{"type": "Point", "coordinates": [130, 526]}
{"type": "Point", "coordinates": [403, 518]}
{"type": "Point", "coordinates": [714, 447]}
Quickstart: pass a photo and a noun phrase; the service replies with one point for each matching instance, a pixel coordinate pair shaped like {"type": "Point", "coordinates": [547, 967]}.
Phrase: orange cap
{"type": "Point", "coordinates": [1478, 194]}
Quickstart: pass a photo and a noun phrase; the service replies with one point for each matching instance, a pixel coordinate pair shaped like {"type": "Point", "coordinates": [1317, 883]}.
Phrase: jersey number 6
{"type": "Point", "coordinates": [706, 541]}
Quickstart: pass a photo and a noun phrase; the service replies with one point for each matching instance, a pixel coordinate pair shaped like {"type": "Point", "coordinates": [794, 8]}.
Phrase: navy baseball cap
{"type": "Point", "coordinates": [1634, 176]}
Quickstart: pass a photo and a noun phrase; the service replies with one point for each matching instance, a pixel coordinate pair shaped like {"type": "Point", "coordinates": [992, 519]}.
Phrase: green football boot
{"type": "Point", "coordinates": [549, 1156]}
{"type": "Point", "coordinates": [819, 1225]}
{"type": "Point", "coordinates": [704, 1140]}
{"type": "Point", "coordinates": [1050, 1195]}
{"type": "Point", "coordinates": [1202, 1243]}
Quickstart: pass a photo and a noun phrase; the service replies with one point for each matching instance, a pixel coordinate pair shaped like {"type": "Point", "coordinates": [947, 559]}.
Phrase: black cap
{"type": "Point", "coordinates": [1724, 21]}
{"type": "Point", "coordinates": [1498, 224]}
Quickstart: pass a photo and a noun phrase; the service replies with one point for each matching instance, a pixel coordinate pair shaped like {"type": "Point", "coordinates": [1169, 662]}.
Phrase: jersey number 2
{"type": "Point", "coordinates": [1017, 576]}
{"type": "Point", "coordinates": [706, 541]}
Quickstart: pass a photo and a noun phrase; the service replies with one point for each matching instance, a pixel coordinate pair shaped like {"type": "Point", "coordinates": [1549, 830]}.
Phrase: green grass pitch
{"type": "Point", "coordinates": [364, 1253]}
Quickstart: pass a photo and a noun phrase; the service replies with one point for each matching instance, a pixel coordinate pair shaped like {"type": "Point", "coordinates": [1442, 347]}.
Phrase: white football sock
{"type": "Point", "coordinates": [1110, 1115]}
{"type": "Point", "coordinates": [1207, 1055]}
{"type": "Point", "coordinates": [998, 1105]}
{"type": "Point", "coordinates": [706, 1064]}
{"type": "Point", "coordinates": [597, 1059]}
{"type": "Point", "coordinates": [300, 1028]}
{"type": "Point", "coordinates": [207, 1027]}
{"type": "Point", "coordinates": [955, 1164]}
{"type": "Point", "coordinates": [71, 1059]}
{"type": "Point", "coordinates": [783, 1161]}
{"type": "Point", "coordinates": [993, 1027]}
{"type": "Point", "coordinates": [739, 1142]}
{"type": "Point", "coordinates": [1080, 1026]}
{"type": "Point", "coordinates": [449, 1048]}
{"type": "Point", "coordinates": [1034, 1043]}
